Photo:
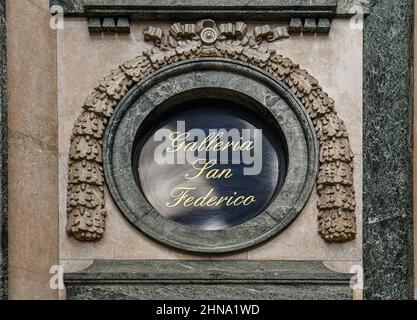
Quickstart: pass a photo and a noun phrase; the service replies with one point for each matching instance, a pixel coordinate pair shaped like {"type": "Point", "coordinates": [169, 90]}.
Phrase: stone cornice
{"type": "Point", "coordinates": [216, 9]}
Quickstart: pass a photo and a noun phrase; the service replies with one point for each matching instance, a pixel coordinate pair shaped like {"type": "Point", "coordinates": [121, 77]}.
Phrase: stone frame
{"type": "Point", "coordinates": [3, 155]}
{"type": "Point", "coordinates": [119, 139]}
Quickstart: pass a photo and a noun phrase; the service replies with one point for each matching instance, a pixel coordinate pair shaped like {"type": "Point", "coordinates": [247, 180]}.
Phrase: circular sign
{"type": "Point", "coordinates": [211, 164]}
{"type": "Point", "coordinates": [207, 193]}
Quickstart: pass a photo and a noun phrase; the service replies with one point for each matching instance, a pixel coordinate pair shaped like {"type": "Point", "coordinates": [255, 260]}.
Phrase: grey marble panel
{"type": "Point", "coordinates": [388, 148]}
{"type": "Point", "coordinates": [207, 279]}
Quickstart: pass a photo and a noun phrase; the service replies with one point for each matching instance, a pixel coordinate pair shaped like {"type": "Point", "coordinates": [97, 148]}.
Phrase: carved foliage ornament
{"type": "Point", "coordinates": [85, 206]}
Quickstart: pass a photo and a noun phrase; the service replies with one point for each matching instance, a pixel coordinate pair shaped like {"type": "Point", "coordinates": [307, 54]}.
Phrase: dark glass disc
{"type": "Point", "coordinates": [160, 183]}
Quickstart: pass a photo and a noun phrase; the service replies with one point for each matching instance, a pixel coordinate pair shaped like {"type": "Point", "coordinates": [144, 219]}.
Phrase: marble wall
{"type": "Point", "coordinates": [33, 149]}
{"type": "Point", "coordinates": [388, 151]}
{"type": "Point", "coordinates": [415, 155]}
{"type": "Point", "coordinates": [83, 59]}
{"type": "Point", "coordinates": [3, 155]}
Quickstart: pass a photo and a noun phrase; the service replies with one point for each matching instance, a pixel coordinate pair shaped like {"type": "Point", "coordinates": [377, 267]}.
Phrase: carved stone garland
{"type": "Point", "coordinates": [85, 207]}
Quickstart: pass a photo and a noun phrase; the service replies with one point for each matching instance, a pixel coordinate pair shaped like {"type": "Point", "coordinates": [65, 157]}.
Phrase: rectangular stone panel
{"type": "Point", "coordinates": [207, 279]}
{"type": "Point", "coordinates": [3, 153]}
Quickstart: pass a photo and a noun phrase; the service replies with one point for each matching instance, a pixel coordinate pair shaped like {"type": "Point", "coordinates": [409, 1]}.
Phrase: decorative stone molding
{"type": "Point", "coordinates": [118, 25]}
{"type": "Point", "coordinates": [86, 207]}
{"type": "Point", "coordinates": [309, 25]}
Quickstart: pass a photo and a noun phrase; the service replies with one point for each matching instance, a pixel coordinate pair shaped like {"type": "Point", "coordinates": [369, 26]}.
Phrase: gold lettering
{"type": "Point", "coordinates": [221, 200]}
{"type": "Point", "coordinates": [192, 146]}
{"type": "Point", "coordinates": [229, 201]}
{"type": "Point", "coordinates": [182, 197]}
{"type": "Point", "coordinates": [203, 199]}
{"type": "Point", "coordinates": [182, 194]}
{"type": "Point", "coordinates": [241, 199]}
{"type": "Point", "coordinates": [211, 174]}
{"type": "Point", "coordinates": [211, 202]}
{"type": "Point", "coordinates": [249, 200]}
{"type": "Point", "coordinates": [247, 146]}
{"type": "Point", "coordinates": [213, 137]}
{"type": "Point", "coordinates": [189, 202]}
{"type": "Point", "coordinates": [209, 143]}
{"type": "Point", "coordinates": [176, 137]}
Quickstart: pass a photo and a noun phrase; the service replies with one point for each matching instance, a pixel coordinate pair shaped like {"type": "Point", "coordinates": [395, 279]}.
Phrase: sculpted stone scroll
{"type": "Point", "coordinates": [86, 206]}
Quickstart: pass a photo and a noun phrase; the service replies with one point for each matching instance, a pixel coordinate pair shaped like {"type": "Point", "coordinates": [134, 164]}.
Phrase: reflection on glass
{"type": "Point", "coordinates": [206, 183]}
